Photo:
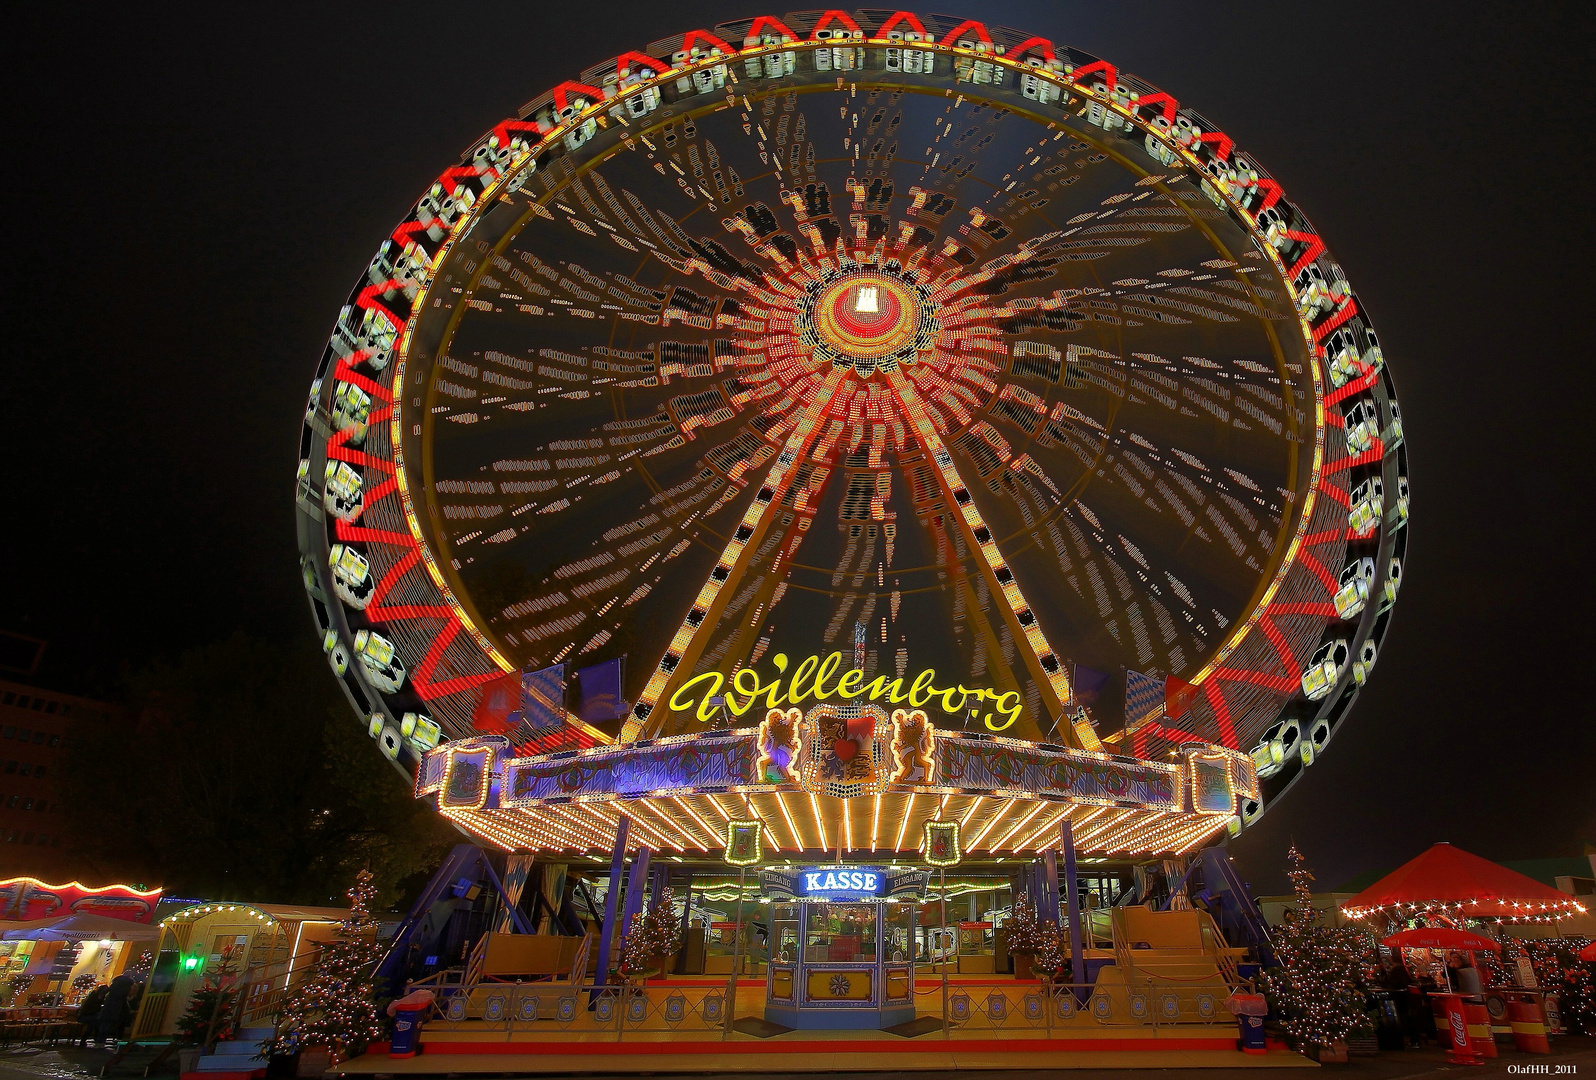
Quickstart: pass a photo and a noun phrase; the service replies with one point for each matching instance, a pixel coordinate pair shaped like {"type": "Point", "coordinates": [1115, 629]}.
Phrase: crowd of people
{"type": "Point", "coordinates": [1411, 994]}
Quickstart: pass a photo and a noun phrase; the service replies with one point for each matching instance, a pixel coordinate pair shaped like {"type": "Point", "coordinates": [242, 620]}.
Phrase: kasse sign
{"type": "Point", "coordinates": [824, 882]}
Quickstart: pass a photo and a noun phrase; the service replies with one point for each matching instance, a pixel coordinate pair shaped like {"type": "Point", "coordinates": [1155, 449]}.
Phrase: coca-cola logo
{"type": "Point", "coordinates": [1460, 1033]}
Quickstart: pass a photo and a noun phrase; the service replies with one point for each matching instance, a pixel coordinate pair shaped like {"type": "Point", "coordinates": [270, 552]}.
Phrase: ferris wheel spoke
{"type": "Point", "coordinates": [688, 643]}
{"type": "Point", "coordinates": [1045, 665]}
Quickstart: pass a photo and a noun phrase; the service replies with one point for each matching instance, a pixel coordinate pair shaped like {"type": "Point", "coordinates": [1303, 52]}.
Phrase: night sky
{"type": "Point", "coordinates": [192, 196]}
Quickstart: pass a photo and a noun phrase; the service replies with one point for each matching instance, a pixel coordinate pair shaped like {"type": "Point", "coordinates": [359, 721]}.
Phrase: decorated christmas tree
{"type": "Point", "coordinates": [1498, 969]}
{"type": "Point", "coordinates": [334, 1008]}
{"type": "Point", "coordinates": [1026, 932]}
{"type": "Point", "coordinates": [209, 1016]}
{"type": "Point", "coordinates": [1578, 996]}
{"type": "Point", "coordinates": [650, 938]}
{"type": "Point", "coordinates": [1052, 956]}
{"type": "Point", "coordinates": [15, 985]}
{"type": "Point", "coordinates": [82, 984]}
{"type": "Point", "coordinates": [1559, 969]}
{"type": "Point", "coordinates": [1315, 989]}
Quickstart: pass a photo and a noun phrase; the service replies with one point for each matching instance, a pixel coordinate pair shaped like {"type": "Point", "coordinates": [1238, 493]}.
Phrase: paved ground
{"type": "Point", "coordinates": [1572, 1056]}
{"type": "Point", "coordinates": [64, 1062]}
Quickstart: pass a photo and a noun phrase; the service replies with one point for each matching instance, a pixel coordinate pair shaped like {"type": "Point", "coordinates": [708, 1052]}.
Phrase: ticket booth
{"type": "Point", "coordinates": [842, 942]}
{"type": "Point", "coordinates": [204, 940]}
{"type": "Point", "coordinates": [262, 948]}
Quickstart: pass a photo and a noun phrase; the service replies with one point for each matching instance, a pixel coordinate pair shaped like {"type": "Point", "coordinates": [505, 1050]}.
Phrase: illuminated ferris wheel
{"type": "Point", "coordinates": [843, 384]}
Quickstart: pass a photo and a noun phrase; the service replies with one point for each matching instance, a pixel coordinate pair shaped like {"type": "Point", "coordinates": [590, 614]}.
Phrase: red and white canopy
{"type": "Point", "coordinates": [1448, 881]}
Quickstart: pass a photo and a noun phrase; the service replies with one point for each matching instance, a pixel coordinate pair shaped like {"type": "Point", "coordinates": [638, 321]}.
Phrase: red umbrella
{"type": "Point", "coordinates": [1440, 937]}
{"type": "Point", "coordinates": [1588, 952]}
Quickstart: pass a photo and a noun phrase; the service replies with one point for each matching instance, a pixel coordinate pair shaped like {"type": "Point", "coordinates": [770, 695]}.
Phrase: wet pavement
{"type": "Point", "coordinates": [65, 1062]}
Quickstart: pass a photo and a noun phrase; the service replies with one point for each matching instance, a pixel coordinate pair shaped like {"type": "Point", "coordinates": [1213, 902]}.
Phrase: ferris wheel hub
{"type": "Point", "coordinates": [866, 315]}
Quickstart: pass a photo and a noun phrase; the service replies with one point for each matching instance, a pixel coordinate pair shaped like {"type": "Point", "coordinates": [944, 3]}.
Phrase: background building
{"type": "Point", "coordinates": [34, 727]}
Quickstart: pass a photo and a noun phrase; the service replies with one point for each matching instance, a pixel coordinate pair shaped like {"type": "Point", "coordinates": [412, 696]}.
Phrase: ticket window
{"type": "Point", "coordinates": [898, 932]}
{"type": "Point", "coordinates": [784, 933]}
{"type": "Point", "coordinates": [841, 934]}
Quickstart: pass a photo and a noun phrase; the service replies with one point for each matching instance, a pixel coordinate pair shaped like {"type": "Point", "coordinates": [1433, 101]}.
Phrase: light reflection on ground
{"type": "Point", "coordinates": [60, 1063]}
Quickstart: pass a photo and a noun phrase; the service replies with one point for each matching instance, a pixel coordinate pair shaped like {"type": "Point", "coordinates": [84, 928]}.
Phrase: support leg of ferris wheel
{"type": "Point", "coordinates": [690, 639]}
{"type": "Point", "coordinates": [1045, 665]}
{"type": "Point", "coordinates": [611, 904]}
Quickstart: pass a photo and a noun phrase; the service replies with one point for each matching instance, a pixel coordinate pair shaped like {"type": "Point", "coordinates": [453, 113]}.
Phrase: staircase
{"type": "Point", "coordinates": [1221, 884]}
{"type": "Point", "coordinates": [237, 1058]}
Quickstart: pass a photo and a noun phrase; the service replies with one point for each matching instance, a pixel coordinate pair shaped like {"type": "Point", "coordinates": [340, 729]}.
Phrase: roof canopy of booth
{"type": "Point", "coordinates": [82, 926]}
{"type": "Point", "coordinates": [266, 913]}
{"type": "Point", "coordinates": [1449, 882]}
{"type": "Point", "coordinates": [30, 899]}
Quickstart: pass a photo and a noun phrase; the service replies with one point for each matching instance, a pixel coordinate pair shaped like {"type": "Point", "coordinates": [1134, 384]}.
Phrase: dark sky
{"type": "Point", "coordinates": [193, 192]}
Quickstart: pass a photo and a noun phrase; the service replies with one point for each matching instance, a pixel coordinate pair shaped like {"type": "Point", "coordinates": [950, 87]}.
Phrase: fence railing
{"type": "Point", "coordinates": [974, 1009]}
{"type": "Point", "coordinates": [978, 1010]}
{"type": "Point", "coordinates": [517, 1008]}
{"type": "Point", "coordinates": [262, 990]}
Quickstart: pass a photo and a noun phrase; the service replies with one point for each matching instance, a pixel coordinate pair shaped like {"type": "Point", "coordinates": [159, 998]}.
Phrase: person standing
{"type": "Point", "coordinates": [89, 1012]}
{"type": "Point", "coordinates": [109, 1023]}
{"type": "Point", "coordinates": [134, 998]}
{"type": "Point", "coordinates": [1400, 983]}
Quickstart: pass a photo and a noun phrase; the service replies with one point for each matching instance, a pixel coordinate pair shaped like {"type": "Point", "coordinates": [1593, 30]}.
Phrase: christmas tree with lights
{"type": "Point", "coordinates": [1026, 933]}
{"type": "Point", "coordinates": [1315, 989]}
{"type": "Point", "coordinates": [209, 1016]}
{"type": "Point", "coordinates": [1579, 989]}
{"type": "Point", "coordinates": [1052, 958]}
{"type": "Point", "coordinates": [335, 1007]}
{"type": "Point", "coordinates": [15, 985]}
{"type": "Point", "coordinates": [82, 984]}
{"type": "Point", "coordinates": [651, 938]}
{"type": "Point", "coordinates": [1558, 968]}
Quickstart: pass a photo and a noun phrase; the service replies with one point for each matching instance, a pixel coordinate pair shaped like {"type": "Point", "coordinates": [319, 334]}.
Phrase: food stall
{"type": "Point", "coordinates": [48, 956]}
{"type": "Point", "coordinates": [1447, 888]}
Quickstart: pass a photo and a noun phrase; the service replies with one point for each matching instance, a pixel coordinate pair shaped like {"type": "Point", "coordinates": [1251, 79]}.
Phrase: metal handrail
{"type": "Point", "coordinates": [579, 961]}
{"type": "Point", "coordinates": [476, 962]}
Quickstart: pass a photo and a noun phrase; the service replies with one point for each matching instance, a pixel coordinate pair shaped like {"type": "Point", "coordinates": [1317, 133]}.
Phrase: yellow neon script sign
{"type": "Point", "coordinates": [811, 680]}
